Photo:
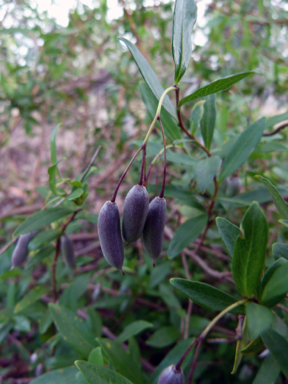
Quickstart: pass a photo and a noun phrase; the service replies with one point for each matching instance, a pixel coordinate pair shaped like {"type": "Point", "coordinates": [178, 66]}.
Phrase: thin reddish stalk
{"type": "Point", "coordinates": [165, 159]}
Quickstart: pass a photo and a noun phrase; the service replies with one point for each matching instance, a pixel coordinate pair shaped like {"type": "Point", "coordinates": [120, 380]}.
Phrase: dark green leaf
{"type": "Point", "coordinates": [280, 203]}
{"type": "Point", "coordinates": [278, 347]}
{"type": "Point", "coordinates": [96, 357]}
{"type": "Point", "coordinates": [207, 123]}
{"type": "Point", "coordinates": [31, 297]}
{"type": "Point", "coordinates": [133, 329]}
{"type": "Point", "coordinates": [100, 375]}
{"type": "Point", "coordinates": [41, 255]}
{"type": "Point", "coordinates": [280, 250]}
{"type": "Point", "coordinates": [205, 295]}
{"type": "Point", "coordinates": [253, 347]}
{"type": "Point", "coordinates": [216, 86]}
{"type": "Point", "coordinates": [63, 376]}
{"type": "Point", "coordinates": [163, 337]}
{"type": "Point", "coordinates": [259, 318]}
{"type": "Point", "coordinates": [196, 115]}
{"type": "Point", "coordinates": [276, 287]}
{"type": "Point", "coordinates": [43, 237]}
{"type": "Point", "coordinates": [242, 148]}
{"type": "Point", "coordinates": [229, 233]}
{"type": "Point", "coordinates": [268, 372]}
{"type": "Point", "coordinates": [149, 76]}
{"type": "Point", "coordinates": [169, 123]}
{"type": "Point", "coordinates": [250, 251]}
{"type": "Point", "coordinates": [184, 18]}
{"type": "Point", "coordinates": [72, 329]}
{"type": "Point", "coordinates": [205, 170]}
{"type": "Point", "coordinates": [75, 194]}
{"type": "Point", "coordinates": [186, 234]}
{"type": "Point", "coordinates": [271, 270]}
{"type": "Point", "coordinates": [52, 172]}
{"type": "Point", "coordinates": [41, 219]}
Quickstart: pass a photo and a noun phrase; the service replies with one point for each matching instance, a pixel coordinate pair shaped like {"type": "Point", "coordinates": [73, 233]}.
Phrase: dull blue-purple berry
{"type": "Point", "coordinates": [68, 251]}
{"type": "Point", "coordinates": [153, 231]}
{"type": "Point", "coordinates": [110, 237]}
{"type": "Point", "coordinates": [135, 212]}
{"type": "Point", "coordinates": [21, 251]}
{"type": "Point", "coordinates": [171, 376]}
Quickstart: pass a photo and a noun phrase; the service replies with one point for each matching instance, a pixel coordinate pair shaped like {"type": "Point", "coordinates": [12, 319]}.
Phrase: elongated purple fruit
{"type": "Point", "coordinates": [135, 212]}
{"type": "Point", "coordinates": [68, 251]}
{"type": "Point", "coordinates": [153, 231]}
{"type": "Point", "coordinates": [21, 251]}
{"type": "Point", "coordinates": [170, 376]}
{"type": "Point", "coordinates": [110, 234]}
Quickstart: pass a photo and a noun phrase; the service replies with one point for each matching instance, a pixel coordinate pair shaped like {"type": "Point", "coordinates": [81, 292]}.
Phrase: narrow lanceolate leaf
{"type": "Point", "coordinates": [205, 170]}
{"type": "Point", "coordinates": [184, 18]}
{"type": "Point", "coordinates": [280, 250]}
{"type": "Point", "coordinates": [133, 329]}
{"type": "Point", "coordinates": [280, 203]}
{"type": "Point", "coordinates": [259, 318]}
{"type": "Point", "coordinates": [249, 251]}
{"type": "Point", "coordinates": [31, 297]}
{"type": "Point", "coordinates": [205, 295]}
{"type": "Point", "coordinates": [170, 126]}
{"type": "Point", "coordinates": [229, 233]}
{"type": "Point", "coordinates": [242, 148]}
{"type": "Point", "coordinates": [186, 233]}
{"type": "Point", "coordinates": [196, 115]}
{"type": "Point", "coordinates": [268, 372]}
{"type": "Point", "coordinates": [149, 76]}
{"type": "Point", "coordinates": [216, 86]}
{"type": "Point", "coordinates": [41, 219]}
{"type": "Point", "coordinates": [276, 119]}
{"type": "Point", "coordinates": [278, 347]}
{"type": "Point", "coordinates": [63, 376]}
{"type": "Point", "coordinates": [208, 120]}
{"type": "Point", "coordinates": [100, 375]}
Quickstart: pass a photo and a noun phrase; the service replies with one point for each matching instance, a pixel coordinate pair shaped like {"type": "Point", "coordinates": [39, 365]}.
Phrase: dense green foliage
{"type": "Point", "coordinates": [76, 104]}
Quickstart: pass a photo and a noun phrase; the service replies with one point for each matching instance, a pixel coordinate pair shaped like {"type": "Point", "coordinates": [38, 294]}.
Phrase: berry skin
{"type": "Point", "coordinates": [21, 251]}
{"type": "Point", "coordinates": [170, 376]}
{"type": "Point", "coordinates": [110, 235]}
{"type": "Point", "coordinates": [135, 212]}
{"type": "Point", "coordinates": [153, 231]}
{"type": "Point", "coordinates": [68, 251]}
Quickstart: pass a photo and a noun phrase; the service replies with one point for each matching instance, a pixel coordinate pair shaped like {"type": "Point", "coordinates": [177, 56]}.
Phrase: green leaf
{"type": "Point", "coordinates": [278, 347]}
{"type": "Point", "coordinates": [259, 318]}
{"type": "Point", "coordinates": [43, 237]}
{"type": "Point", "coordinates": [268, 372]}
{"type": "Point", "coordinates": [280, 250]}
{"type": "Point", "coordinates": [75, 194]}
{"type": "Point", "coordinates": [149, 76]}
{"type": "Point", "coordinates": [53, 148]}
{"type": "Point", "coordinates": [100, 375]}
{"type": "Point", "coordinates": [121, 361]}
{"type": "Point", "coordinates": [273, 120]}
{"type": "Point", "coordinates": [242, 148]}
{"type": "Point", "coordinates": [63, 376]}
{"type": "Point", "coordinates": [229, 233]}
{"type": "Point", "coordinates": [196, 115]}
{"type": "Point", "coordinates": [41, 255]}
{"type": "Point", "coordinates": [96, 357]}
{"type": "Point", "coordinates": [31, 297]}
{"type": "Point", "coordinates": [271, 270]}
{"type": "Point", "coordinates": [52, 171]}
{"type": "Point", "coordinates": [276, 287]}
{"type": "Point", "coordinates": [163, 337]}
{"type": "Point", "coordinates": [72, 329]}
{"type": "Point", "coordinates": [205, 170]}
{"type": "Point", "coordinates": [169, 123]}
{"type": "Point", "coordinates": [250, 251]}
{"type": "Point", "coordinates": [184, 18]}
{"type": "Point", "coordinates": [284, 222]}
{"type": "Point", "coordinates": [253, 347]}
{"type": "Point", "coordinates": [216, 86]}
{"type": "Point", "coordinates": [205, 295]}
{"type": "Point", "coordinates": [41, 219]}
{"type": "Point", "coordinates": [280, 203]}
{"type": "Point", "coordinates": [132, 330]}
{"type": "Point", "coordinates": [186, 234]}
{"type": "Point", "coordinates": [207, 123]}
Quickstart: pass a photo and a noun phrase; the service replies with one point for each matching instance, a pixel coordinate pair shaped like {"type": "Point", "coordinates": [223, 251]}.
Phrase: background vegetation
{"type": "Point", "coordinates": [80, 78]}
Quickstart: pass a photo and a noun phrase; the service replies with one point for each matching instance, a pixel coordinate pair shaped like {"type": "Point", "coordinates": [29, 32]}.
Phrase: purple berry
{"type": "Point", "coordinates": [170, 376]}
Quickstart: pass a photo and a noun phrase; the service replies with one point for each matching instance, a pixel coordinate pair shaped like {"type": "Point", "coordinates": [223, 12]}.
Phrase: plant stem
{"type": "Point", "coordinates": [158, 111]}
{"type": "Point", "coordinates": [142, 165]}
{"type": "Point", "coordinates": [165, 160]}
{"type": "Point", "coordinates": [91, 163]}
{"type": "Point", "coordinates": [204, 333]}
{"type": "Point", "coordinates": [113, 197]}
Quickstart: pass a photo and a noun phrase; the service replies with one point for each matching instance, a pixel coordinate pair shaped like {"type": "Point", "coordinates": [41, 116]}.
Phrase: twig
{"type": "Point", "coordinates": [7, 245]}
{"type": "Point", "coordinates": [91, 163]}
{"type": "Point", "coordinates": [276, 130]}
